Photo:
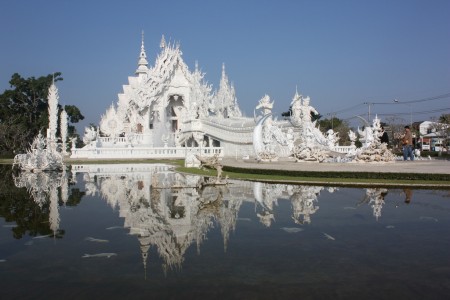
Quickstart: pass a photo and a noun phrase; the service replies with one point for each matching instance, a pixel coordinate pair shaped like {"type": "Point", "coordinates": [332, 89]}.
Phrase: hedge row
{"type": "Point", "coordinates": [348, 175]}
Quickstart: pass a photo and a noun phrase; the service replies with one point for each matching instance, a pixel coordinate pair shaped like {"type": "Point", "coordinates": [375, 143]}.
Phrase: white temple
{"type": "Point", "coordinates": [166, 108]}
{"type": "Point", "coordinates": [167, 111]}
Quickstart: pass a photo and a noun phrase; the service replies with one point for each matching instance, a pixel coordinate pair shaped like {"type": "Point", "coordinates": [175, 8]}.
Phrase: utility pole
{"type": "Point", "coordinates": [410, 111]}
{"type": "Point", "coordinates": [368, 104]}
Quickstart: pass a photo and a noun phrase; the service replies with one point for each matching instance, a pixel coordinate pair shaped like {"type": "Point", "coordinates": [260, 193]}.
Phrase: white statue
{"type": "Point", "coordinates": [332, 138]}
{"type": "Point", "coordinates": [265, 104]}
{"type": "Point", "coordinates": [352, 136]}
{"type": "Point", "coordinates": [90, 135]}
{"type": "Point", "coordinates": [44, 154]}
{"type": "Point", "coordinates": [306, 111]}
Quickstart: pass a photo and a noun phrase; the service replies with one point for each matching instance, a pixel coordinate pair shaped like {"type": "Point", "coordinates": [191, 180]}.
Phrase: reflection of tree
{"type": "Point", "coordinates": [34, 201]}
{"type": "Point", "coordinates": [75, 197]}
{"type": "Point", "coordinates": [17, 205]}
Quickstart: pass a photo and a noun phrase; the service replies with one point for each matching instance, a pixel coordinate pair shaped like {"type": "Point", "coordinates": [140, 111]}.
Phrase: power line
{"type": "Point", "coordinates": [438, 97]}
{"type": "Point", "coordinates": [416, 112]}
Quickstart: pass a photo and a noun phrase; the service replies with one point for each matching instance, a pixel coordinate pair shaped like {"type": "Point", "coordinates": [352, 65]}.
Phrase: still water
{"type": "Point", "coordinates": [144, 231]}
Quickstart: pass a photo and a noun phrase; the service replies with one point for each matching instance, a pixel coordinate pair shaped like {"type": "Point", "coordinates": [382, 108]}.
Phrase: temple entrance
{"type": "Point", "coordinates": [139, 128]}
{"type": "Point", "coordinates": [174, 111]}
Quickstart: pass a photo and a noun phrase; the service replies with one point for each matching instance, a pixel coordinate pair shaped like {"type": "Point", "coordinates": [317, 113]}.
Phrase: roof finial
{"type": "Point", "coordinates": [162, 45]}
{"type": "Point", "coordinates": [223, 69]}
{"type": "Point", "coordinates": [142, 63]}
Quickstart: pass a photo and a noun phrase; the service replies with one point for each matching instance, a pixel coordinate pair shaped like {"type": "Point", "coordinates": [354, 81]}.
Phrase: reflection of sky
{"type": "Point", "coordinates": [364, 250]}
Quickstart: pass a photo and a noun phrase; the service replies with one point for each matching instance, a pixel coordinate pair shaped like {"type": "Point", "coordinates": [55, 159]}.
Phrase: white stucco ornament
{"type": "Point", "coordinates": [111, 123]}
{"type": "Point", "coordinates": [45, 153]}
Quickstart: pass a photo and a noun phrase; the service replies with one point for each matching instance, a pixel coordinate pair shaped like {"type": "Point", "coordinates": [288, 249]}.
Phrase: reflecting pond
{"type": "Point", "coordinates": [140, 231]}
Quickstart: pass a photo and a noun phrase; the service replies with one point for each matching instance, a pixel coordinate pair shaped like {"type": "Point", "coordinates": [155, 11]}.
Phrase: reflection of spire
{"type": "Point", "coordinates": [145, 246]}
{"type": "Point", "coordinates": [54, 212]}
{"type": "Point", "coordinates": [64, 187]}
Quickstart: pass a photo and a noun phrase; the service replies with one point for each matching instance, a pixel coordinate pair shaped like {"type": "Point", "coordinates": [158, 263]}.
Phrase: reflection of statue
{"type": "Point", "coordinates": [44, 187]}
{"type": "Point", "coordinates": [213, 162]}
{"type": "Point", "coordinates": [376, 198]}
{"type": "Point", "coordinates": [303, 200]}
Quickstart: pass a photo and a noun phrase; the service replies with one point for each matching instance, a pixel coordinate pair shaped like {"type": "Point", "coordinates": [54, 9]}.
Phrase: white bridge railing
{"type": "Point", "coordinates": [344, 149]}
{"type": "Point", "coordinates": [144, 152]}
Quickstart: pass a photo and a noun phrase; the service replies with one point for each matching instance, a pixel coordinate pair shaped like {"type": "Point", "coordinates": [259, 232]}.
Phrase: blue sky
{"type": "Point", "coordinates": [340, 53]}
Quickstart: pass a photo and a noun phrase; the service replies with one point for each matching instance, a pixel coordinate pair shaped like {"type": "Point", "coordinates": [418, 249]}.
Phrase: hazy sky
{"type": "Point", "coordinates": [340, 53]}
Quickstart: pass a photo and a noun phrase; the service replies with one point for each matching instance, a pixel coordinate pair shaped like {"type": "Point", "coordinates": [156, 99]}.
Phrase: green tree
{"type": "Point", "coordinates": [340, 126]}
{"type": "Point", "coordinates": [24, 111]}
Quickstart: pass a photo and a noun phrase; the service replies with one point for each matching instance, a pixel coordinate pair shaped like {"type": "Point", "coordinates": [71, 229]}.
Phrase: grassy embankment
{"type": "Point", "coordinates": [305, 177]}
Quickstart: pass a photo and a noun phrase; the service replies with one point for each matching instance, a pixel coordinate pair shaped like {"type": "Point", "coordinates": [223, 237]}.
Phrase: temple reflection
{"type": "Point", "coordinates": [171, 211]}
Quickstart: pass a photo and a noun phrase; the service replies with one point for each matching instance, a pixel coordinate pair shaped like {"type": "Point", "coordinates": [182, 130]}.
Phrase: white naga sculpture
{"type": "Point", "coordinates": [45, 153]}
{"type": "Point", "coordinates": [267, 135]}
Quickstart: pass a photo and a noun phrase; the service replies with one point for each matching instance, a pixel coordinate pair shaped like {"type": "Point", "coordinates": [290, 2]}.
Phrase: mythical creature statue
{"type": "Point", "coordinates": [90, 135]}
{"type": "Point", "coordinates": [39, 157]}
{"type": "Point", "coordinates": [352, 137]}
{"type": "Point", "coordinates": [265, 104]}
{"type": "Point", "coordinates": [213, 162]}
{"type": "Point", "coordinates": [332, 138]}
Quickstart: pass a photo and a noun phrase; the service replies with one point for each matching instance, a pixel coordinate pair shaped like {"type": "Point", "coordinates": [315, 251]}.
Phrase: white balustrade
{"type": "Point", "coordinates": [144, 152]}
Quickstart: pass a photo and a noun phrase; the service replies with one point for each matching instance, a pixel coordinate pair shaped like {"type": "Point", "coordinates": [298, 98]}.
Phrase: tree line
{"type": "Point", "coordinates": [24, 112]}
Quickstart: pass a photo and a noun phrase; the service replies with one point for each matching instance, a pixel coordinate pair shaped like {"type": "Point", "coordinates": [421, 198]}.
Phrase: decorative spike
{"type": "Point", "coordinates": [162, 45]}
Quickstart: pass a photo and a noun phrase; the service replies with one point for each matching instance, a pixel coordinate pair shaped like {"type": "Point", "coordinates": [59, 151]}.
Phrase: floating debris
{"type": "Point", "coordinates": [390, 226]}
{"type": "Point", "coordinates": [114, 227]}
{"type": "Point", "coordinates": [42, 236]}
{"type": "Point", "coordinates": [349, 207]}
{"type": "Point", "coordinates": [107, 255]}
{"type": "Point", "coordinates": [91, 239]}
{"type": "Point", "coordinates": [244, 219]}
{"type": "Point", "coordinates": [291, 229]}
{"type": "Point", "coordinates": [429, 219]}
{"type": "Point", "coordinates": [328, 236]}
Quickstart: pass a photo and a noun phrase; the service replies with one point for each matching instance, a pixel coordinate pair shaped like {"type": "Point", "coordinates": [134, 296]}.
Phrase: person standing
{"type": "Point", "coordinates": [384, 136]}
{"type": "Point", "coordinates": [407, 144]}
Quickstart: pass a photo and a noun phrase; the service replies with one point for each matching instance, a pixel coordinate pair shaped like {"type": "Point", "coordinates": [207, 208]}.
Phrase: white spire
{"type": "Point", "coordinates": [162, 45]}
{"type": "Point", "coordinates": [143, 63]}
